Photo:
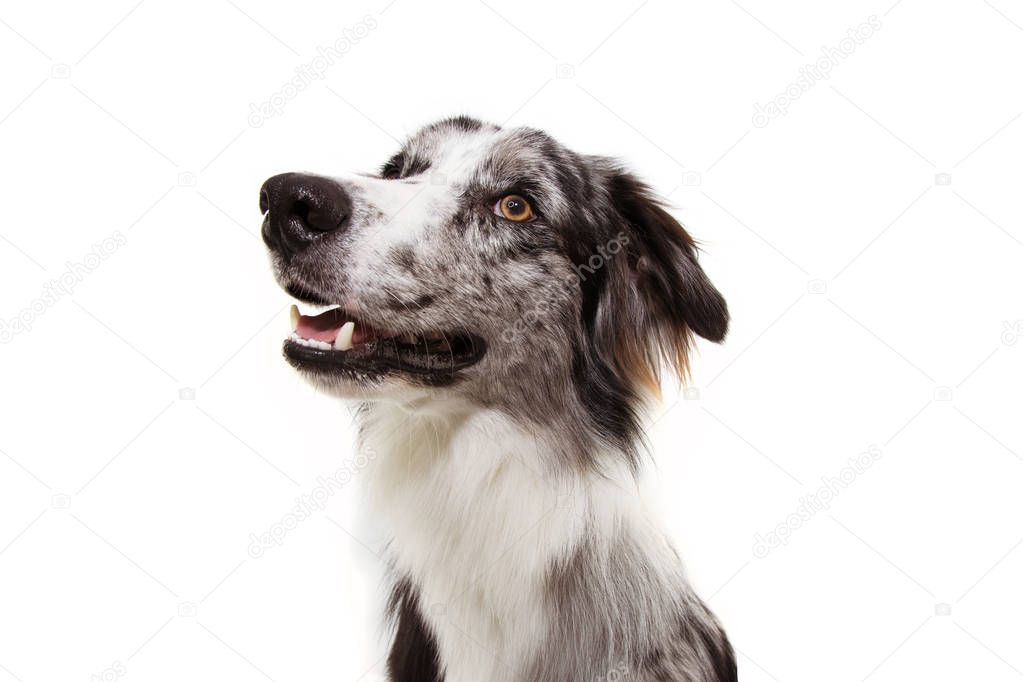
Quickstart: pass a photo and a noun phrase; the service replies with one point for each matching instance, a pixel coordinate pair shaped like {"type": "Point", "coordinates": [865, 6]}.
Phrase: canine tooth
{"type": "Point", "coordinates": [344, 336]}
{"type": "Point", "coordinates": [294, 316]}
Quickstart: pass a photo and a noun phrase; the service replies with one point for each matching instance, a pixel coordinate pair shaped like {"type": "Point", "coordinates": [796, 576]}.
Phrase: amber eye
{"type": "Point", "coordinates": [515, 208]}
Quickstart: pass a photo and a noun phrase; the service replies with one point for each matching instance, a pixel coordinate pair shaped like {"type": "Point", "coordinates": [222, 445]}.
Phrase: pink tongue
{"type": "Point", "coordinates": [322, 327]}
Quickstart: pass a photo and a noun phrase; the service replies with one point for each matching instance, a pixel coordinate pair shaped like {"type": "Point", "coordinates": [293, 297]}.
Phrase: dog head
{"type": "Point", "coordinates": [490, 267]}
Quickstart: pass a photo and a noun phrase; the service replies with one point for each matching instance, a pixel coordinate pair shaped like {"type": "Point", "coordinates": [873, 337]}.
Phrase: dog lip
{"type": "Point", "coordinates": [301, 293]}
{"type": "Point", "coordinates": [385, 357]}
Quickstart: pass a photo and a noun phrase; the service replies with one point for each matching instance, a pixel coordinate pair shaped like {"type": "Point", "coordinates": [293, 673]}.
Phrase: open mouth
{"type": "Point", "coordinates": [335, 341]}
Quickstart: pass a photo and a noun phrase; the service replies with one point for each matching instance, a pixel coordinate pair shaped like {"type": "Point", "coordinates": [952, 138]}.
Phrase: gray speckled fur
{"type": "Point", "coordinates": [556, 342]}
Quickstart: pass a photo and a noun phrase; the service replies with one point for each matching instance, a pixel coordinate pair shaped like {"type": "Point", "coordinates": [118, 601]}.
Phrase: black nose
{"type": "Point", "coordinates": [299, 208]}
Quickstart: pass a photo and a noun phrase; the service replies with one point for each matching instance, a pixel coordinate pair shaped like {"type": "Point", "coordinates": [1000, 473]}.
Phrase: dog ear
{"type": "Point", "coordinates": [656, 298]}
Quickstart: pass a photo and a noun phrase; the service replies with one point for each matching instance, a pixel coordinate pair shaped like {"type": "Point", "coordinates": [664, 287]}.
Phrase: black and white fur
{"type": "Point", "coordinates": [520, 547]}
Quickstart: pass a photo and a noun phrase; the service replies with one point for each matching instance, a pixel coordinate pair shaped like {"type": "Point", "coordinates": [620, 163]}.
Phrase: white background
{"type": "Point", "coordinates": [868, 242]}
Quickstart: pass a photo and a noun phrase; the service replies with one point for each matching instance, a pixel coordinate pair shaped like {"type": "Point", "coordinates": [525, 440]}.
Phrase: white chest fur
{"type": "Point", "coordinates": [477, 518]}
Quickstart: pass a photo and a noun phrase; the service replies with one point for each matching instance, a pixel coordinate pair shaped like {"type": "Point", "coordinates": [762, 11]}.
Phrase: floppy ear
{"type": "Point", "coordinates": [656, 298]}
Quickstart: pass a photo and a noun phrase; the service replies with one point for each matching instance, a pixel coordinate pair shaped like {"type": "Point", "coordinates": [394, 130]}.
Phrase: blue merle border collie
{"type": "Point", "coordinates": [501, 308]}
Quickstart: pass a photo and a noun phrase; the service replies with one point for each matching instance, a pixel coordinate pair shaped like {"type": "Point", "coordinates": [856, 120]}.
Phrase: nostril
{"type": "Point", "coordinates": [300, 209]}
{"type": "Point", "coordinates": [264, 202]}
{"type": "Point", "coordinates": [317, 212]}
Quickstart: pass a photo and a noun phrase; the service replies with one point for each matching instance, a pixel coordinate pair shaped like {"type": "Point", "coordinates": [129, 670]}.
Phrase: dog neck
{"type": "Point", "coordinates": [484, 518]}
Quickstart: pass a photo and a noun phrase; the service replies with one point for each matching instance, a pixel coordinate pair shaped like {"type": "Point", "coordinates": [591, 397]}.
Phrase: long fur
{"type": "Point", "coordinates": [520, 545]}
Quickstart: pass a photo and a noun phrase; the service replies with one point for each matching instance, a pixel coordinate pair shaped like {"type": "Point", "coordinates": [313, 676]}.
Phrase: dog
{"type": "Point", "coordinates": [501, 308]}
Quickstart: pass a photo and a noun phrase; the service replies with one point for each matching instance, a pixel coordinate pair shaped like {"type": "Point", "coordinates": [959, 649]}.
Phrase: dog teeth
{"type": "Point", "coordinates": [295, 315]}
{"type": "Point", "coordinates": [344, 336]}
{"type": "Point", "coordinates": [309, 343]}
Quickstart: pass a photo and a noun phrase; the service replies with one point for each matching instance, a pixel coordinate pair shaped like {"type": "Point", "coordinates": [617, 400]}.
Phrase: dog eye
{"type": "Point", "coordinates": [515, 208]}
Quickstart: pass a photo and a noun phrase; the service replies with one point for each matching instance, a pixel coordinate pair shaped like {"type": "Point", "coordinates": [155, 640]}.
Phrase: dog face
{"type": "Point", "coordinates": [491, 267]}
